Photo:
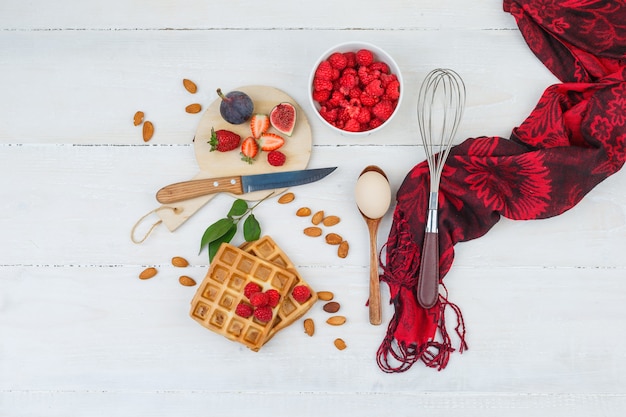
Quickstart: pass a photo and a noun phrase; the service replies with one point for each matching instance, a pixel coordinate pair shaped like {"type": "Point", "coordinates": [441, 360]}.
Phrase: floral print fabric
{"type": "Point", "coordinates": [572, 140]}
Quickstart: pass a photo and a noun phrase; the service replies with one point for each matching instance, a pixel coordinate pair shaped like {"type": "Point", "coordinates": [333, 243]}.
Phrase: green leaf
{"type": "Point", "coordinates": [239, 208]}
{"type": "Point", "coordinates": [251, 229]}
{"type": "Point", "coordinates": [226, 238]}
{"type": "Point", "coordinates": [215, 231]}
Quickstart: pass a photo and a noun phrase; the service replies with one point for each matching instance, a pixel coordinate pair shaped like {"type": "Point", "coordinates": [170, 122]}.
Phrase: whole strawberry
{"type": "Point", "coordinates": [224, 140]}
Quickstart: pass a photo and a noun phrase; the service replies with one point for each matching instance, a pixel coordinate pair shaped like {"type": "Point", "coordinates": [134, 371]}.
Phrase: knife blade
{"type": "Point", "coordinates": [239, 184]}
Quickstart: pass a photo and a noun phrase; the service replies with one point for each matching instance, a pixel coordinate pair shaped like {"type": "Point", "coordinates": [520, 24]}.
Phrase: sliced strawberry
{"type": "Point", "coordinates": [249, 149]}
{"type": "Point", "coordinates": [259, 123]}
{"type": "Point", "coordinates": [271, 141]}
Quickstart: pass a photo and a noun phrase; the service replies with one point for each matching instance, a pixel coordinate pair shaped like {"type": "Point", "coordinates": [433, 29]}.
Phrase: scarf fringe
{"type": "Point", "coordinates": [395, 357]}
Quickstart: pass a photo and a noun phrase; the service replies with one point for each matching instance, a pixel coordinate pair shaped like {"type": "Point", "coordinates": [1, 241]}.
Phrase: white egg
{"type": "Point", "coordinates": [373, 194]}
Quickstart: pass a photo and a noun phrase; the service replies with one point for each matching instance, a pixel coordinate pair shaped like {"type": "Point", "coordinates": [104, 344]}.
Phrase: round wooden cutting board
{"type": "Point", "coordinates": [297, 147]}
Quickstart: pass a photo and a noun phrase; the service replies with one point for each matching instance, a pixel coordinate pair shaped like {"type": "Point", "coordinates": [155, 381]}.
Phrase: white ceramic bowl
{"type": "Point", "coordinates": [379, 55]}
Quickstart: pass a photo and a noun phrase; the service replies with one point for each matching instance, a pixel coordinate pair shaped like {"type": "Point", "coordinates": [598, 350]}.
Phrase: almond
{"type": "Point", "coordinates": [333, 239]}
{"type": "Point", "coordinates": [340, 344]}
{"type": "Point", "coordinates": [286, 198]}
{"type": "Point", "coordinates": [148, 273]}
{"type": "Point", "coordinates": [138, 118]}
{"type": "Point", "coordinates": [325, 295]}
{"type": "Point", "coordinates": [313, 231]}
{"type": "Point", "coordinates": [190, 86]}
{"type": "Point", "coordinates": [179, 262]}
{"type": "Point", "coordinates": [332, 307]}
{"type": "Point", "coordinates": [331, 221]}
{"type": "Point", "coordinates": [187, 281]}
{"type": "Point", "coordinates": [317, 217]}
{"type": "Point", "coordinates": [303, 212]}
{"type": "Point", "coordinates": [193, 108]}
{"type": "Point", "coordinates": [309, 327]}
{"type": "Point", "coordinates": [148, 131]}
{"type": "Point", "coordinates": [336, 320]}
{"type": "Point", "coordinates": [343, 249]}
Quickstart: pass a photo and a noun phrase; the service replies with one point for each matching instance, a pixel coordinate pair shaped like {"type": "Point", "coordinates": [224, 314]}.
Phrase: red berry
{"type": "Point", "coordinates": [243, 310]}
{"type": "Point", "coordinates": [322, 84]}
{"type": "Point", "coordinates": [273, 298]}
{"type": "Point", "coordinates": [383, 110]}
{"type": "Point", "coordinates": [259, 299]}
{"type": "Point", "coordinates": [324, 71]}
{"type": "Point", "coordinates": [350, 59]}
{"type": "Point", "coordinates": [250, 289]}
{"type": "Point", "coordinates": [263, 314]}
{"type": "Point", "coordinates": [374, 123]}
{"type": "Point", "coordinates": [338, 60]}
{"type": "Point", "coordinates": [380, 66]}
{"type": "Point", "coordinates": [330, 115]}
{"type": "Point", "coordinates": [368, 100]}
{"type": "Point", "coordinates": [375, 88]}
{"type": "Point", "coordinates": [393, 90]}
{"type": "Point", "coordinates": [321, 95]}
{"type": "Point", "coordinates": [301, 293]}
{"type": "Point", "coordinates": [364, 115]}
{"type": "Point", "coordinates": [352, 125]}
{"type": "Point", "coordinates": [364, 57]}
{"type": "Point", "coordinates": [276, 158]}
{"type": "Point", "coordinates": [224, 140]}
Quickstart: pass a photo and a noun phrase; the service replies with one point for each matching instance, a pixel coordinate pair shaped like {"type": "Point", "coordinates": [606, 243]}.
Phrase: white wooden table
{"type": "Point", "coordinates": [81, 335]}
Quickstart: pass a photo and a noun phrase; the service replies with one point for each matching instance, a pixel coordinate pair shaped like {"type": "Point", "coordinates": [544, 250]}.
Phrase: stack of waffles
{"type": "Point", "coordinates": [261, 262]}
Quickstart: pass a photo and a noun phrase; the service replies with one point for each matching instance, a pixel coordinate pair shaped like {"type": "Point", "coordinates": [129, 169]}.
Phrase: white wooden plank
{"type": "Point", "coordinates": [198, 14]}
{"type": "Point", "coordinates": [71, 205]}
{"type": "Point", "coordinates": [305, 404]}
{"type": "Point", "coordinates": [100, 329]}
{"type": "Point", "coordinates": [85, 86]}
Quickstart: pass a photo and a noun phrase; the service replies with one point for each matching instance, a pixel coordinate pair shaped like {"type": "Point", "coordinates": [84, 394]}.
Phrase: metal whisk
{"type": "Point", "coordinates": [440, 108]}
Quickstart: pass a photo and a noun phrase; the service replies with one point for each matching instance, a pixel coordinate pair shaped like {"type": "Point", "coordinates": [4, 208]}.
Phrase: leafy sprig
{"type": "Point", "coordinates": [223, 230]}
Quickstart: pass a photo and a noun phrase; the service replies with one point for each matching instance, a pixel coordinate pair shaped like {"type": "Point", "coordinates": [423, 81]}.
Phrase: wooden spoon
{"type": "Point", "coordinates": [373, 197]}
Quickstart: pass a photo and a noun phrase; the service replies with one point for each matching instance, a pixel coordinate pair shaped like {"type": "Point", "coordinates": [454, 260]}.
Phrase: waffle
{"type": "Point", "coordinates": [289, 309]}
{"type": "Point", "coordinates": [216, 299]}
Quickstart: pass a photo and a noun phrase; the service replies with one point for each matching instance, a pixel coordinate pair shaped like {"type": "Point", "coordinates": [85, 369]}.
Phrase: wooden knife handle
{"type": "Point", "coordinates": [428, 281]}
{"type": "Point", "coordinates": [195, 188]}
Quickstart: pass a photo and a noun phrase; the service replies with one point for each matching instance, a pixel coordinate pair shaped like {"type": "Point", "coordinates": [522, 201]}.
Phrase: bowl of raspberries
{"type": "Point", "coordinates": [356, 88]}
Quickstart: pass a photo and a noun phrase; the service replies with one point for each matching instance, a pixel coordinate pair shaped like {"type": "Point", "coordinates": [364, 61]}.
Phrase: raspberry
{"type": "Point", "coordinates": [366, 76]}
{"type": "Point", "coordinates": [375, 88]}
{"type": "Point", "coordinates": [374, 123]}
{"type": "Point", "coordinates": [383, 110]}
{"type": "Point", "coordinates": [274, 298]}
{"type": "Point", "coordinates": [329, 115]}
{"type": "Point", "coordinates": [387, 78]}
{"type": "Point", "coordinates": [324, 71]}
{"type": "Point", "coordinates": [263, 314]}
{"type": "Point", "coordinates": [364, 115]}
{"type": "Point", "coordinates": [338, 60]}
{"type": "Point", "coordinates": [352, 125]}
{"type": "Point", "coordinates": [321, 95]}
{"type": "Point", "coordinates": [276, 158]}
{"type": "Point", "coordinates": [380, 66]}
{"type": "Point", "coordinates": [347, 82]}
{"type": "Point", "coordinates": [350, 59]}
{"type": "Point", "coordinates": [250, 289]}
{"type": "Point", "coordinates": [301, 293]}
{"type": "Point", "coordinates": [364, 57]}
{"type": "Point", "coordinates": [321, 84]}
{"type": "Point", "coordinates": [336, 98]}
{"type": "Point", "coordinates": [393, 90]}
{"type": "Point", "coordinates": [259, 299]}
{"type": "Point", "coordinates": [368, 100]}
{"type": "Point", "coordinates": [243, 310]}
{"type": "Point", "coordinates": [355, 93]}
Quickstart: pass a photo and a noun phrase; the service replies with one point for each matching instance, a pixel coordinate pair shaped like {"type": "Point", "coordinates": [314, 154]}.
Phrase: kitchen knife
{"type": "Point", "coordinates": [239, 184]}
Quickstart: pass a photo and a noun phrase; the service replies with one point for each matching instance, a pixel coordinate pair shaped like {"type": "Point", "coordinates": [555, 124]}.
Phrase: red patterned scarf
{"type": "Point", "coordinates": [573, 139]}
